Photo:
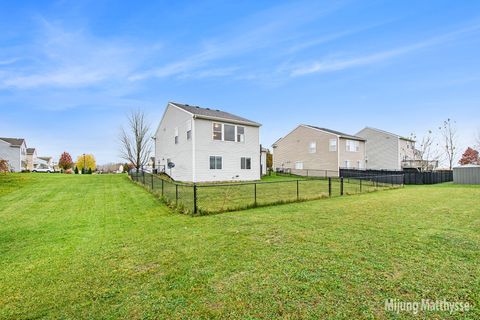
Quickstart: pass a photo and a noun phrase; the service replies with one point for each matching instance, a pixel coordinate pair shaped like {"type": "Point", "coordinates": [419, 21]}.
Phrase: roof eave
{"type": "Point", "coordinates": [246, 123]}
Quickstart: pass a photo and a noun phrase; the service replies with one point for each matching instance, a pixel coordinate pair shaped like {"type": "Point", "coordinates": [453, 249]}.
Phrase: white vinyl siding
{"type": "Point", "coordinates": [312, 148]}
{"type": "Point", "coordinates": [333, 145]}
{"type": "Point", "coordinates": [359, 164]}
{"type": "Point", "coordinates": [246, 163]}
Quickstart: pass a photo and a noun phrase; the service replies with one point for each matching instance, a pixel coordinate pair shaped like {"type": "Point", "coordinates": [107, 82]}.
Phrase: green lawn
{"type": "Point", "coordinates": [101, 247]}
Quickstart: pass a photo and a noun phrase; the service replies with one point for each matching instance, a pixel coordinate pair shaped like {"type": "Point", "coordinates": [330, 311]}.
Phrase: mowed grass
{"type": "Point", "coordinates": [101, 247]}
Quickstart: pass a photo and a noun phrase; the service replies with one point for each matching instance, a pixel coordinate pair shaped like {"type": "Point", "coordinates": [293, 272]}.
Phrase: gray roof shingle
{"type": "Point", "coordinates": [212, 114]}
{"type": "Point", "coordinates": [30, 150]}
{"type": "Point", "coordinates": [15, 142]}
{"type": "Point", "coordinates": [338, 133]}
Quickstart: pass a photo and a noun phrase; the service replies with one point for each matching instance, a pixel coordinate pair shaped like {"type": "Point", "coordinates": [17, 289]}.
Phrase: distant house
{"type": "Point", "coordinates": [263, 161]}
{"type": "Point", "coordinates": [14, 150]}
{"type": "Point", "coordinates": [313, 148]}
{"type": "Point", "coordinates": [197, 144]}
{"type": "Point", "coordinates": [31, 158]}
{"type": "Point", "coordinates": [389, 151]}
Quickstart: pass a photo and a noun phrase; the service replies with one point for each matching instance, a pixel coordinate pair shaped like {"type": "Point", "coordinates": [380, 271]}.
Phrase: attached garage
{"type": "Point", "coordinates": [469, 174]}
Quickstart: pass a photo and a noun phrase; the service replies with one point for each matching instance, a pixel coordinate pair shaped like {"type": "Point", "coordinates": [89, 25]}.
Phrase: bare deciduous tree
{"type": "Point", "coordinates": [427, 151]}
{"type": "Point", "coordinates": [449, 141]}
{"type": "Point", "coordinates": [135, 141]}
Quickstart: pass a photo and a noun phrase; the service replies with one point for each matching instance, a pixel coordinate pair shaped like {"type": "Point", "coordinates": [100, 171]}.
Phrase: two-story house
{"type": "Point", "coordinates": [388, 151]}
{"type": "Point", "coordinates": [313, 148]}
{"type": "Point", "coordinates": [31, 158]}
{"type": "Point", "coordinates": [14, 150]}
{"type": "Point", "coordinates": [196, 144]}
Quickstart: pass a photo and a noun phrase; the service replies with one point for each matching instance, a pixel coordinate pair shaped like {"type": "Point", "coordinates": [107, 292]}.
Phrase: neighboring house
{"type": "Point", "coordinates": [44, 163]}
{"type": "Point", "coordinates": [205, 145]}
{"type": "Point", "coordinates": [47, 160]}
{"type": "Point", "coordinates": [263, 161]}
{"type": "Point", "coordinates": [31, 158]}
{"type": "Point", "coordinates": [389, 151]}
{"type": "Point", "coordinates": [14, 150]}
{"type": "Point", "coordinates": [314, 148]}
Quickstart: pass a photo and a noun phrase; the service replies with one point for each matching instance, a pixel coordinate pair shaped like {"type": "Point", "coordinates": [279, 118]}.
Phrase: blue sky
{"type": "Point", "coordinates": [71, 70]}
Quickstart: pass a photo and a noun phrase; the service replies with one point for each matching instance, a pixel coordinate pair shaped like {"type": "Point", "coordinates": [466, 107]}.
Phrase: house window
{"type": "Point", "coordinates": [347, 164]}
{"type": "Point", "coordinates": [189, 129]}
{"type": "Point", "coordinates": [353, 146]}
{"type": "Point", "coordinates": [215, 163]}
{"type": "Point", "coordinates": [299, 165]}
{"type": "Point", "coordinates": [240, 134]}
{"type": "Point", "coordinates": [246, 163]}
{"type": "Point", "coordinates": [217, 131]}
{"type": "Point", "coordinates": [176, 135]}
{"type": "Point", "coordinates": [333, 145]}
{"type": "Point", "coordinates": [229, 131]}
{"type": "Point", "coordinates": [312, 147]}
{"type": "Point", "coordinates": [359, 164]}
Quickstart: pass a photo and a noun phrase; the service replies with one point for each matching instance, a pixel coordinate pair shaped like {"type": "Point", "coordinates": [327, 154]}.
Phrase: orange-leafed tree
{"type": "Point", "coordinates": [470, 156]}
{"type": "Point", "coordinates": [3, 166]}
{"type": "Point", "coordinates": [65, 161]}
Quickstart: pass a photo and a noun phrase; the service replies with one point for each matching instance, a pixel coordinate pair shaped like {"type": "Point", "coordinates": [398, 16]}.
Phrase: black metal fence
{"type": "Point", "coordinates": [410, 177]}
{"type": "Point", "coordinates": [198, 199]}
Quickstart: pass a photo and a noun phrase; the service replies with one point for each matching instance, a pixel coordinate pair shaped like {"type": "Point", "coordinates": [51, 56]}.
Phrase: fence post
{"type": "Point", "coordinates": [176, 194]}
{"type": "Point", "coordinates": [255, 194]}
{"type": "Point", "coordinates": [329, 186]}
{"type": "Point", "coordinates": [326, 174]}
{"type": "Point", "coordinates": [162, 188]}
{"type": "Point", "coordinates": [195, 208]}
{"type": "Point", "coordinates": [143, 173]}
{"type": "Point", "coordinates": [152, 181]}
{"type": "Point", "coordinates": [360, 185]}
{"type": "Point", "coordinates": [341, 186]}
{"type": "Point", "coordinates": [307, 173]}
{"type": "Point", "coordinates": [298, 190]}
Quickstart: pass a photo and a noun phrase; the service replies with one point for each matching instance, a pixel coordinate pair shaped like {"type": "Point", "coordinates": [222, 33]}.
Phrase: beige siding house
{"type": "Point", "coordinates": [387, 151]}
{"type": "Point", "coordinates": [207, 145]}
{"type": "Point", "coordinates": [314, 148]}
{"type": "Point", "coordinates": [31, 158]}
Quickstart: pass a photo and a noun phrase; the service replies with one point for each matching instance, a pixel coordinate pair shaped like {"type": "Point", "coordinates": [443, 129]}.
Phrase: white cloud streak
{"type": "Point", "coordinates": [330, 65]}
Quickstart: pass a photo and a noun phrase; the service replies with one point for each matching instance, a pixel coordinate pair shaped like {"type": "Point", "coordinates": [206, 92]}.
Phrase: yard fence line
{"type": "Point", "coordinates": [411, 177]}
{"type": "Point", "coordinates": [199, 199]}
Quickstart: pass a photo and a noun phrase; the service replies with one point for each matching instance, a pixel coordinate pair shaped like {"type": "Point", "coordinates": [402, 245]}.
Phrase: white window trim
{"type": "Point", "coordinates": [246, 167]}
{"type": "Point", "coordinates": [312, 147]}
{"type": "Point", "coordinates": [221, 158]}
{"type": "Point", "coordinates": [223, 132]}
{"type": "Point", "coordinates": [297, 163]}
{"type": "Point", "coordinates": [335, 145]}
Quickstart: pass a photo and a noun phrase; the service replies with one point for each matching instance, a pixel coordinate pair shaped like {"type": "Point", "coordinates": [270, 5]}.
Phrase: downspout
{"type": "Point", "coordinates": [194, 155]}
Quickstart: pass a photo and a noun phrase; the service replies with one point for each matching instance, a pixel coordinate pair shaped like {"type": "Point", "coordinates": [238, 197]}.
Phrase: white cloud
{"type": "Point", "coordinates": [60, 58]}
{"type": "Point", "coordinates": [330, 64]}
